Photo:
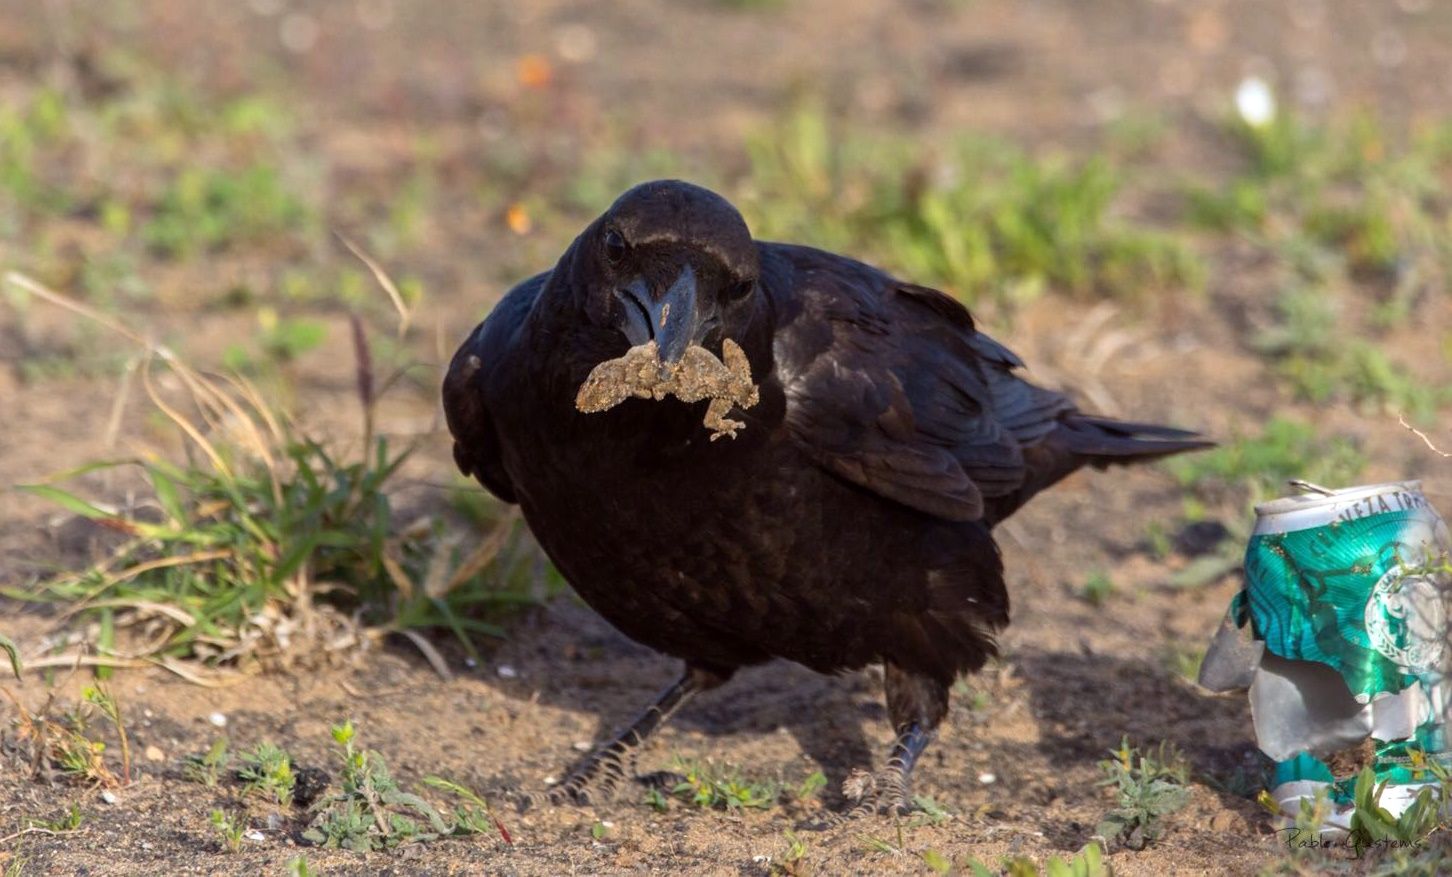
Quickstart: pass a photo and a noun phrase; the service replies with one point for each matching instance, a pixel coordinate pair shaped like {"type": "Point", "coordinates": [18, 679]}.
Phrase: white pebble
{"type": "Point", "coordinates": [254, 834]}
{"type": "Point", "coordinates": [550, 781]}
{"type": "Point", "coordinates": [582, 745]}
{"type": "Point", "coordinates": [506, 671]}
{"type": "Point", "coordinates": [108, 796]}
{"type": "Point", "coordinates": [218, 719]}
{"type": "Point", "coordinates": [1255, 101]}
{"type": "Point", "coordinates": [987, 778]}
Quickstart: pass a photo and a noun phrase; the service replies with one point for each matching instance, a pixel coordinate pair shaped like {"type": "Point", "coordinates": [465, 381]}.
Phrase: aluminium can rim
{"type": "Point", "coordinates": [1307, 501]}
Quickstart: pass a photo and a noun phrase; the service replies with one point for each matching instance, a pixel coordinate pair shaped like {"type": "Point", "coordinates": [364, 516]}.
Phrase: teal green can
{"type": "Point", "coordinates": [1354, 579]}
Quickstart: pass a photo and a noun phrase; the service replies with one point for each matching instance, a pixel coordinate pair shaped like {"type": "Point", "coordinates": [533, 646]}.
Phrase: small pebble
{"type": "Point", "coordinates": [218, 719]}
{"type": "Point", "coordinates": [987, 778]}
{"type": "Point", "coordinates": [108, 796]}
{"type": "Point", "coordinates": [506, 671]}
{"type": "Point", "coordinates": [582, 745]}
{"type": "Point", "coordinates": [1255, 101]}
{"type": "Point", "coordinates": [146, 845]}
{"type": "Point", "coordinates": [153, 753]}
{"type": "Point", "coordinates": [470, 663]}
{"type": "Point", "coordinates": [254, 834]}
{"type": "Point", "coordinates": [550, 781]}
{"type": "Point", "coordinates": [148, 713]}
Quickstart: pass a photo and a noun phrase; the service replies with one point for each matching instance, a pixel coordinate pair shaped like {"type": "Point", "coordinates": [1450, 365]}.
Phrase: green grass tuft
{"type": "Point", "coordinates": [1147, 789]}
{"type": "Point", "coordinates": [984, 220]}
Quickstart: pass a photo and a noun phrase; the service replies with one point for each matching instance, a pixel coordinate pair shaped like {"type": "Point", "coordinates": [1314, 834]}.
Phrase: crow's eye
{"type": "Point", "coordinates": [614, 246]}
{"type": "Point", "coordinates": [738, 291]}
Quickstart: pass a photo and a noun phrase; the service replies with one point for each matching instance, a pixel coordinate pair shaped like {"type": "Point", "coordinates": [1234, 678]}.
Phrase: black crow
{"type": "Point", "coordinates": [849, 521]}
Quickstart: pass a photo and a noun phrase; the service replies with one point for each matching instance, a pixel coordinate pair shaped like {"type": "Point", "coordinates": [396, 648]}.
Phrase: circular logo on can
{"type": "Point", "coordinates": [1406, 619]}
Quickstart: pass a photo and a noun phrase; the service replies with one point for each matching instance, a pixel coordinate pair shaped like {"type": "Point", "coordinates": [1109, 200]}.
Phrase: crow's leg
{"type": "Point", "coordinates": [916, 704]}
{"type": "Point", "coordinates": [599, 775]}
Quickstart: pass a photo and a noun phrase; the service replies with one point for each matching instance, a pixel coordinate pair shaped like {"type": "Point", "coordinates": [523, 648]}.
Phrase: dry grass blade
{"type": "Point", "coordinates": [118, 405]}
{"type": "Point", "coordinates": [431, 654]}
{"type": "Point", "coordinates": [34, 287]}
{"type": "Point", "coordinates": [486, 552]}
{"type": "Point", "coordinates": [80, 659]}
{"type": "Point", "coordinates": [186, 425]}
{"type": "Point", "coordinates": [398, 575]}
{"type": "Point", "coordinates": [405, 316]}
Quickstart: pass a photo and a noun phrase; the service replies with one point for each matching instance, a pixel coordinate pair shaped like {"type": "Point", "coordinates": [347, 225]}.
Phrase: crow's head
{"type": "Point", "coordinates": [668, 261]}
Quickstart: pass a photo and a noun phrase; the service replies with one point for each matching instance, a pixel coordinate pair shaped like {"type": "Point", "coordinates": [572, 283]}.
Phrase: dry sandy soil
{"type": "Point", "coordinates": [1073, 678]}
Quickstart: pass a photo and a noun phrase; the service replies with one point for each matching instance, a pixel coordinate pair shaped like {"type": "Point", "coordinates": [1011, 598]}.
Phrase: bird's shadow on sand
{"type": "Point", "coordinates": [566, 656]}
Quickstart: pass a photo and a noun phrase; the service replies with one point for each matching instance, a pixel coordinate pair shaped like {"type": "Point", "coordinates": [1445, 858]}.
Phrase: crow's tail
{"type": "Point", "coordinates": [1083, 439]}
{"type": "Point", "coordinates": [1107, 442]}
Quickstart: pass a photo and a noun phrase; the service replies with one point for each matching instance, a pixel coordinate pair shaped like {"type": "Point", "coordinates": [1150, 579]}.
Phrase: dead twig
{"type": "Point", "coordinates": [1423, 436]}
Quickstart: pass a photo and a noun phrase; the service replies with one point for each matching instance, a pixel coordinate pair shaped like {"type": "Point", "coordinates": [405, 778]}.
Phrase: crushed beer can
{"type": "Point", "coordinates": [1341, 634]}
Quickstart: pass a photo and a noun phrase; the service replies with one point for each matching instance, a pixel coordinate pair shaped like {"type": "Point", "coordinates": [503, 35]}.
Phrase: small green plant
{"type": "Point", "coordinates": [656, 800]}
{"type": "Point", "coordinates": [372, 812]}
{"type": "Point", "coordinates": [12, 651]}
{"type": "Point", "coordinates": [206, 767]}
{"type": "Point", "coordinates": [1147, 789]}
{"type": "Point", "coordinates": [230, 828]}
{"type": "Point", "coordinates": [936, 861]}
{"type": "Point", "coordinates": [67, 821]}
{"type": "Point", "coordinates": [1184, 660]}
{"type": "Point", "coordinates": [928, 811]}
{"type": "Point", "coordinates": [811, 785]}
{"type": "Point", "coordinates": [1088, 862]}
{"type": "Point", "coordinates": [1097, 589]}
{"type": "Point", "coordinates": [707, 786]}
{"type": "Point", "coordinates": [298, 867]}
{"type": "Point", "coordinates": [103, 700]}
{"type": "Point", "coordinates": [1373, 824]}
{"type": "Point", "coordinates": [62, 743]}
{"type": "Point", "coordinates": [474, 815]}
{"type": "Point", "coordinates": [793, 861]}
{"type": "Point", "coordinates": [278, 340]}
{"type": "Point", "coordinates": [599, 830]}
{"type": "Point", "coordinates": [268, 770]}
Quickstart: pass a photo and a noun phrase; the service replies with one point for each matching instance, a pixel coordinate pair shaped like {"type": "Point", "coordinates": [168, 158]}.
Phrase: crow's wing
{"type": "Point", "coordinates": [474, 371]}
{"type": "Point", "coordinates": [891, 387]}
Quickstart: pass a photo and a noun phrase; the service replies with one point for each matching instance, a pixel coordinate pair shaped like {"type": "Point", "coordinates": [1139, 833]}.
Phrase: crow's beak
{"type": "Point", "coordinates": [671, 319]}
